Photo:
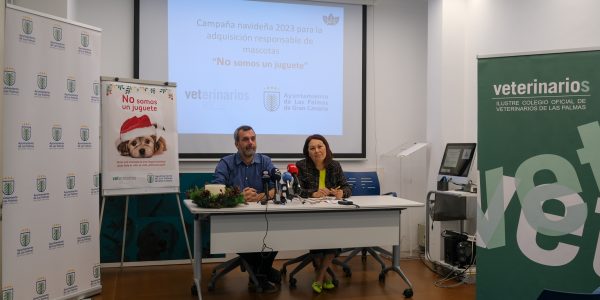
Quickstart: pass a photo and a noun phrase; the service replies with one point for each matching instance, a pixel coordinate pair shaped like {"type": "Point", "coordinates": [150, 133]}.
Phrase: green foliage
{"type": "Point", "coordinates": [201, 197]}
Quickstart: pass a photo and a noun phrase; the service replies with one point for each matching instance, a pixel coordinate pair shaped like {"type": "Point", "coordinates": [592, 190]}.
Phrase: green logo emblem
{"type": "Point", "coordinates": [56, 232]}
{"type": "Point", "coordinates": [10, 77]}
{"type": "Point", "coordinates": [70, 182]}
{"type": "Point", "coordinates": [41, 184]}
{"type": "Point", "coordinates": [26, 132]}
{"type": "Point", "coordinates": [71, 84]}
{"type": "Point", "coordinates": [84, 133]}
{"type": "Point", "coordinates": [40, 286]}
{"type": "Point", "coordinates": [96, 89]}
{"type": "Point", "coordinates": [25, 238]}
{"type": "Point", "coordinates": [150, 178]}
{"type": "Point", "coordinates": [42, 81]}
{"type": "Point", "coordinates": [8, 187]}
{"type": "Point", "coordinates": [27, 26]}
{"type": "Point", "coordinates": [57, 33]}
{"type": "Point", "coordinates": [70, 278]}
{"type": "Point", "coordinates": [56, 133]}
{"type": "Point", "coordinates": [7, 294]}
{"type": "Point", "coordinates": [85, 39]}
{"type": "Point", "coordinates": [84, 228]}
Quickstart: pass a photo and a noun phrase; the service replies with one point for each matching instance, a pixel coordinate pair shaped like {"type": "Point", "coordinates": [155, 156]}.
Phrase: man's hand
{"type": "Point", "coordinates": [250, 195]}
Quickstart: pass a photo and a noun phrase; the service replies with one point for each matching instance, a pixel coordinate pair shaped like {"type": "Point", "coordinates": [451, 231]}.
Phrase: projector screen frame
{"type": "Point", "coordinates": [215, 156]}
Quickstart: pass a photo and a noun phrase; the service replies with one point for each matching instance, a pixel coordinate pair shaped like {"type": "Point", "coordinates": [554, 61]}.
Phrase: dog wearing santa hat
{"type": "Point", "coordinates": [140, 138]}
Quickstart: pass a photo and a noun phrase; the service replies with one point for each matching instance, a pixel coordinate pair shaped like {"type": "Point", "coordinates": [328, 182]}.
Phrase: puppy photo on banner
{"type": "Point", "coordinates": [140, 138]}
{"type": "Point", "coordinates": [139, 132]}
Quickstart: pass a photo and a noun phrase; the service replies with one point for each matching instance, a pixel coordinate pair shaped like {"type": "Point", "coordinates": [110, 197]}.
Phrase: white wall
{"type": "Point", "coordinates": [459, 30]}
{"type": "Point", "coordinates": [115, 17]}
{"type": "Point", "coordinates": [396, 78]}
{"type": "Point", "coordinates": [400, 74]}
{"type": "Point", "coordinates": [446, 107]}
{"type": "Point", "coordinates": [53, 7]}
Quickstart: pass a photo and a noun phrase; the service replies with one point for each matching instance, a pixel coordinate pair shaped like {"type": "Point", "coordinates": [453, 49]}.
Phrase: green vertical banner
{"type": "Point", "coordinates": [538, 220]}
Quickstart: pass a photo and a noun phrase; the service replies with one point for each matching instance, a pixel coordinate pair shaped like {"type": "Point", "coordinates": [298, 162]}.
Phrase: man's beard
{"type": "Point", "coordinates": [248, 152]}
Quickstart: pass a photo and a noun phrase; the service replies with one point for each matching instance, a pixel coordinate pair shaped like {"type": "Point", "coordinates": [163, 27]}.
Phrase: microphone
{"type": "Point", "coordinates": [286, 180]}
{"type": "Point", "coordinates": [265, 181]}
{"type": "Point", "coordinates": [276, 177]}
{"type": "Point", "coordinates": [284, 194]}
{"type": "Point", "coordinates": [293, 169]}
{"type": "Point", "coordinates": [275, 174]}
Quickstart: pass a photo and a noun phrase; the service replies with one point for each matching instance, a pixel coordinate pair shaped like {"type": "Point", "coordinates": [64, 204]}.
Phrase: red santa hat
{"type": "Point", "coordinates": [134, 127]}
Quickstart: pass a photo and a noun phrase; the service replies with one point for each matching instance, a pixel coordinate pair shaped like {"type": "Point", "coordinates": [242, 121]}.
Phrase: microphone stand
{"type": "Point", "coordinates": [284, 193]}
{"type": "Point", "coordinates": [276, 176]}
{"type": "Point", "coordinates": [265, 181]}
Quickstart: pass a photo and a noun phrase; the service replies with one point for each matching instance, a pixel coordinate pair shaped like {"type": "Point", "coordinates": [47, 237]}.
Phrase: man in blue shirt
{"type": "Point", "coordinates": [244, 169]}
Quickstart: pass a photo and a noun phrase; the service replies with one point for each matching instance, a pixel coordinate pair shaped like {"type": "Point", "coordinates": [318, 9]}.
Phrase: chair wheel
{"type": "Point", "coordinates": [407, 293]}
{"type": "Point", "coordinates": [347, 271]}
{"type": "Point", "coordinates": [194, 290]}
{"type": "Point", "coordinates": [211, 286]}
{"type": "Point", "coordinates": [293, 282]}
{"type": "Point", "coordinates": [382, 278]}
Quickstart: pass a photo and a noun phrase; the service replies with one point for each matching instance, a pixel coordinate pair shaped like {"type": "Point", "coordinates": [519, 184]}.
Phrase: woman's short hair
{"type": "Point", "coordinates": [329, 154]}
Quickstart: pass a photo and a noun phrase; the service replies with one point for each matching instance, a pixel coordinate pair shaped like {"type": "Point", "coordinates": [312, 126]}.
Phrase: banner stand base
{"type": "Point", "coordinates": [187, 241]}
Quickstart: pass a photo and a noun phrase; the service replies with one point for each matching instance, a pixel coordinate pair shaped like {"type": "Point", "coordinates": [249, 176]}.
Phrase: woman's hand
{"type": "Point", "coordinates": [325, 192]}
{"type": "Point", "coordinates": [321, 193]}
{"type": "Point", "coordinates": [338, 193]}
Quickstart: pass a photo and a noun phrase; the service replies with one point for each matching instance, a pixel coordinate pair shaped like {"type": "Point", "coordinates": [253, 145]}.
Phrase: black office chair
{"type": "Point", "coordinates": [226, 267]}
{"type": "Point", "coordinates": [364, 183]}
{"type": "Point", "coordinates": [305, 260]}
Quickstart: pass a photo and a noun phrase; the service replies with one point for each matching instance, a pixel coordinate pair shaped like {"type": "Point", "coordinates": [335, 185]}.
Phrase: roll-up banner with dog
{"type": "Point", "coordinates": [139, 137]}
{"type": "Point", "coordinates": [539, 160]}
{"type": "Point", "coordinates": [51, 150]}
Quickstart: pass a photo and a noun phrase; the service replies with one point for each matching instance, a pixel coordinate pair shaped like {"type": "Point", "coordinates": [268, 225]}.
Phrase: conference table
{"type": "Point", "coordinates": [303, 224]}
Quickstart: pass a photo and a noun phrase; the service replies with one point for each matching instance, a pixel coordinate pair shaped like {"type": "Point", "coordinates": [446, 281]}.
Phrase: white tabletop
{"type": "Point", "coordinates": [298, 205]}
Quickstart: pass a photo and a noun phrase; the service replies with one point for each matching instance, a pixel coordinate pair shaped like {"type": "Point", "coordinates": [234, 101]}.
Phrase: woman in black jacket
{"type": "Point", "coordinates": [321, 176]}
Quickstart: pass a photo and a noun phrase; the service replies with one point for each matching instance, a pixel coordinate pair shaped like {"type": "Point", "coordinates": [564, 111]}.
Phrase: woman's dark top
{"type": "Point", "coordinates": [308, 175]}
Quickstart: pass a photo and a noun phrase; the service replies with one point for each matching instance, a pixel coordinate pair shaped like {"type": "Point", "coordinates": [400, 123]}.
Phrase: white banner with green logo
{"type": "Point", "coordinates": [139, 137]}
{"type": "Point", "coordinates": [51, 138]}
{"type": "Point", "coordinates": [539, 162]}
